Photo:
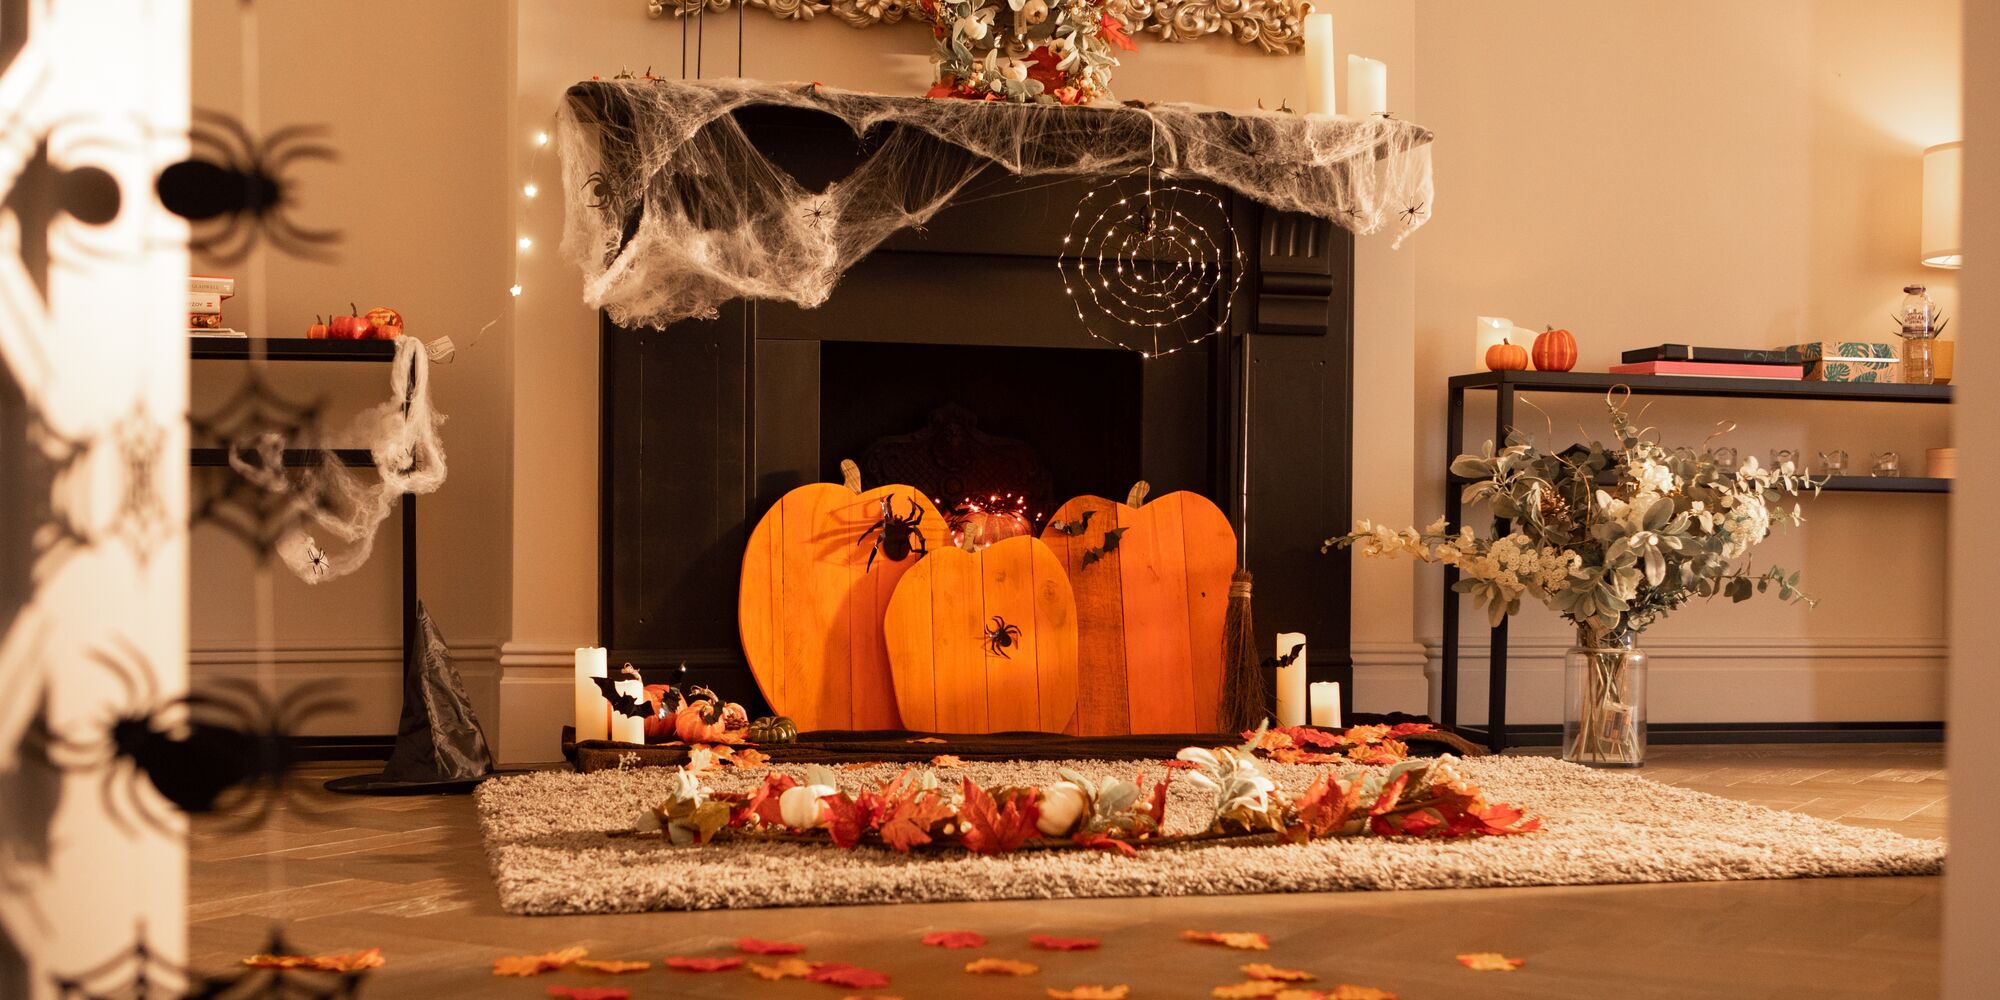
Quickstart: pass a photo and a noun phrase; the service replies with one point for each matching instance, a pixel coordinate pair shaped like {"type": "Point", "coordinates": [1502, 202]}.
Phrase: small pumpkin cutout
{"type": "Point", "coordinates": [1506, 356]}
{"type": "Point", "coordinates": [1555, 350]}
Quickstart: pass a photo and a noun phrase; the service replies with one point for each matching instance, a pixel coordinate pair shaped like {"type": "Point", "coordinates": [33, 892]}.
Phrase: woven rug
{"type": "Point", "coordinates": [547, 847]}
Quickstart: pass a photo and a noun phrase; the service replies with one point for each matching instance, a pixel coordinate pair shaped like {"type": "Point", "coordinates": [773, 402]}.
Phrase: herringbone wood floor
{"type": "Point", "coordinates": [409, 875]}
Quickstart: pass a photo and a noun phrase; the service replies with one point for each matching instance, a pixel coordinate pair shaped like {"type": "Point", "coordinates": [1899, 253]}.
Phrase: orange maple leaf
{"type": "Point", "coordinates": [1300, 993]}
{"type": "Point", "coordinates": [784, 968]}
{"type": "Point", "coordinates": [1118, 992]}
{"type": "Point", "coordinates": [955, 939]}
{"type": "Point", "coordinates": [1049, 942]}
{"type": "Point", "coordinates": [356, 961]}
{"type": "Point", "coordinates": [1490, 961]}
{"type": "Point", "coordinates": [1243, 940]}
{"type": "Point", "coordinates": [590, 992]}
{"type": "Point", "coordinates": [1001, 967]}
{"type": "Point", "coordinates": [758, 946]}
{"type": "Point", "coordinates": [680, 963]}
{"type": "Point", "coordinates": [535, 965]}
{"type": "Point", "coordinates": [1265, 970]}
{"type": "Point", "coordinates": [990, 827]}
{"type": "Point", "coordinates": [1254, 989]}
{"type": "Point", "coordinates": [947, 760]}
{"type": "Point", "coordinates": [751, 759]}
{"type": "Point", "coordinates": [611, 966]}
{"type": "Point", "coordinates": [925, 739]}
{"type": "Point", "coordinates": [1349, 991]}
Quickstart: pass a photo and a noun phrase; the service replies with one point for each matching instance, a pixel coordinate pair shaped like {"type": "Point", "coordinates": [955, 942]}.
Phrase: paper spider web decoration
{"type": "Point", "coordinates": [1142, 270]}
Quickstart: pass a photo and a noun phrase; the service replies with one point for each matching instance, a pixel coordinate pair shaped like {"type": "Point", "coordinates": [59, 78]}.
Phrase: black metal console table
{"type": "Point", "coordinates": [1505, 386]}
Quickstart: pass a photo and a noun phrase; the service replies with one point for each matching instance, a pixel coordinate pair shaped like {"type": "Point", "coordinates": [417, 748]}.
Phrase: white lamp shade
{"type": "Point", "coordinates": [1943, 165]}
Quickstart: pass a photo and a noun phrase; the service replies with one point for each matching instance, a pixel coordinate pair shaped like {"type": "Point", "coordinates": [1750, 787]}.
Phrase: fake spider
{"type": "Point", "coordinates": [1415, 212]}
{"type": "Point", "coordinates": [232, 177]}
{"type": "Point", "coordinates": [899, 537]}
{"type": "Point", "coordinates": [1001, 635]}
{"type": "Point", "coordinates": [194, 750]}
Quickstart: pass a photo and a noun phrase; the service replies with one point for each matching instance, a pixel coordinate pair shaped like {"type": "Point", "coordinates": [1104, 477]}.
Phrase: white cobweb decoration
{"type": "Point", "coordinates": [672, 210]}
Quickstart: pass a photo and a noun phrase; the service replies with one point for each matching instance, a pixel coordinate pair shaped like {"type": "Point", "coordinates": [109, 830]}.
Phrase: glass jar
{"type": "Point", "coordinates": [1604, 700]}
{"type": "Point", "coordinates": [1919, 317]}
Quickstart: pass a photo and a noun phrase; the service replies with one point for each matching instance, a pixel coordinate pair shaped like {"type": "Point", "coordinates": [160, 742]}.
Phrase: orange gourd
{"type": "Point", "coordinates": [1506, 356]}
{"type": "Point", "coordinates": [1555, 350]}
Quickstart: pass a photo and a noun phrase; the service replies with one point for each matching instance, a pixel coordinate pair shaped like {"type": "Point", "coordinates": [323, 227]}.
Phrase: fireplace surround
{"type": "Point", "coordinates": [706, 423]}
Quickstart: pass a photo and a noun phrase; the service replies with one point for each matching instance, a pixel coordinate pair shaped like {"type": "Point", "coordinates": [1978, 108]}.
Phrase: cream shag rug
{"type": "Point", "coordinates": [546, 845]}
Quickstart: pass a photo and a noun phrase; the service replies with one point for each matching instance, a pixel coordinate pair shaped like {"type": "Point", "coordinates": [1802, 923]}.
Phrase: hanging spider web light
{"type": "Point", "coordinates": [1152, 271]}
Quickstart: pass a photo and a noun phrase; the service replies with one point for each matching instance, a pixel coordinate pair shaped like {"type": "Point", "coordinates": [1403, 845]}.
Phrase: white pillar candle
{"type": "Point", "coordinates": [1291, 684]}
{"type": "Point", "coordinates": [1326, 704]}
{"type": "Point", "coordinates": [626, 728]}
{"type": "Point", "coordinates": [1367, 87]}
{"type": "Point", "coordinates": [1490, 331]}
{"type": "Point", "coordinates": [591, 721]}
{"type": "Point", "coordinates": [1319, 64]}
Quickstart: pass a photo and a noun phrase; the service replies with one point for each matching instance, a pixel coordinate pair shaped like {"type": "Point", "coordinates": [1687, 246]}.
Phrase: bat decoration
{"type": "Point", "coordinates": [1286, 660]}
{"type": "Point", "coordinates": [140, 972]}
{"type": "Point", "coordinates": [195, 750]}
{"type": "Point", "coordinates": [1111, 540]}
{"type": "Point", "coordinates": [235, 189]}
{"type": "Point", "coordinates": [1076, 527]}
{"type": "Point", "coordinates": [624, 704]}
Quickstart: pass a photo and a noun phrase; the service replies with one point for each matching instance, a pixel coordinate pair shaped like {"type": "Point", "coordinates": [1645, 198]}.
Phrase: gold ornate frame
{"type": "Point", "coordinates": [1272, 25]}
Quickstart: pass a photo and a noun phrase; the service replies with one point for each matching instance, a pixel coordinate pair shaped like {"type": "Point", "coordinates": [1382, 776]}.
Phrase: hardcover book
{"type": "Point", "coordinates": [1725, 355]}
{"type": "Point", "coordinates": [1712, 369]}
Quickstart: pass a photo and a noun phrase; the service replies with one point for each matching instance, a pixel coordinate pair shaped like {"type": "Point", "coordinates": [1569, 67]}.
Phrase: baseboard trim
{"type": "Point", "coordinates": [1474, 649]}
{"type": "Point", "coordinates": [1710, 733]}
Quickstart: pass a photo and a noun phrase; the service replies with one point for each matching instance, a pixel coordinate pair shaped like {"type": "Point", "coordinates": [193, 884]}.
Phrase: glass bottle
{"type": "Point", "coordinates": [1919, 317]}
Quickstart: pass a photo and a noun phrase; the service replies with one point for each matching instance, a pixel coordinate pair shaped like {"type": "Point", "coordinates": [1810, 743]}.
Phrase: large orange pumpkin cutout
{"type": "Point", "coordinates": [809, 606]}
{"type": "Point", "coordinates": [985, 642]}
{"type": "Point", "coordinates": [1149, 611]}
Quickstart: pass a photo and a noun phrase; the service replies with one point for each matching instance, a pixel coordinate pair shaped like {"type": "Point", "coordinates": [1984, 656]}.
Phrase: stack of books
{"type": "Point", "coordinates": [1713, 362]}
{"type": "Point", "coordinates": [205, 297]}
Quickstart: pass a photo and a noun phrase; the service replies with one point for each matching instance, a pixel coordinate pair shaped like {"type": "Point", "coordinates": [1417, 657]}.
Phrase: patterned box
{"type": "Point", "coordinates": [1850, 361]}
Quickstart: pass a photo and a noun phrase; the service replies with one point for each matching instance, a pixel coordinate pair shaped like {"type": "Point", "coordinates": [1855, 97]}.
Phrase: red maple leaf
{"type": "Point", "coordinates": [996, 828]}
{"type": "Point", "coordinates": [1042, 65]}
{"type": "Point", "coordinates": [763, 802]}
{"type": "Point", "coordinates": [1156, 803]}
{"type": "Point", "coordinates": [955, 939]}
{"type": "Point", "coordinates": [682, 964]}
{"type": "Point", "coordinates": [850, 818]}
{"type": "Point", "coordinates": [1411, 728]}
{"type": "Point", "coordinates": [1327, 805]}
{"type": "Point", "coordinates": [851, 976]}
{"type": "Point", "coordinates": [1306, 736]}
{"type": "Point", "coordinates": [1049, 942]}
{"type": "Point", "coordinates": [757, 946]}
{"type": "Point", "coordinates": [1100, 842]}
{"type": "Point", "coordinates": [907, 822]}
{"type": "Point", "coordinates": [591, 992]}
{"type": "Point", "coordinates": [1114, 32]}
{"type": "Point", "coordinates": [1180, 765]}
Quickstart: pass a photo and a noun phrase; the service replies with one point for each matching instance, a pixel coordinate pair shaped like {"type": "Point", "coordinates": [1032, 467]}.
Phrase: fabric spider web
{"type": "Point", "coordinates": [672, 210]}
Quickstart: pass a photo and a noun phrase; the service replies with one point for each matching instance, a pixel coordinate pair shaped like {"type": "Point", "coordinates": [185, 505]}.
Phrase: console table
{"type": "Point", "coordinates": [1506, 386]}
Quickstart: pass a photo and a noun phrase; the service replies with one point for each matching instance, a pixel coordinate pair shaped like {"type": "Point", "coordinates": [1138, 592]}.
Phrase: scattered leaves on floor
{"type": "Point", "coordinates": [356, 961]}
{"type": "Point", "coordinates": [1349, 991]}
{"type": "Point", "coordinates": [1118, 992]}
{"type": "Point", "coordinates": [946, 760]}
{"type": "Point", "coordinates": [851, 976]}
{"type": "Point", "coordinates": [590, 992]}
{"type": "Point", "coordinates": [872, 996]}
{"type": "Point", "coordinates": [1265, 970]}
{"type": "Point", "coordinates": [1244, 940]}
{"type": "Point", "coordinates": [1049, 942]}
{"type": "Point", "coordinates": [860, 765]}
{"type": "Point", "coordinates": [1490, 961]}
{"type": "Point", "coordinates": [535, 965]}
{"type": "Point", "coordinates": [784, 968]}
{"type": "Point", "coordinates": [955, 939]}
{"type": "Point", "coordinates": [681, 963]}
{"type": "Point", "coordinates": [614, 967]}
{"type": "Point", "coordinates": [1251, 990]}
{"type": "Point", "coordinates": [752, 759]}
{"type": "Point", "coordinates": [925, 739]}
{"type": "Point", "coordinates": [1001, 967]}
{"type": "Point", "coordinates": [1177, 765]}
{"type": "Point", "coordinates": [759, 946]}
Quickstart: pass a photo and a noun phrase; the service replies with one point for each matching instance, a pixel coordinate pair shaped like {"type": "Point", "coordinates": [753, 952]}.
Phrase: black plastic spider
{"type": "Point", "coordinates": [899, 536]}
{"type": "Point", "coordinates": [230, 176]}
{"type": "Point", "coordinates": [194, 750]}
{"type": "Point", "coordinates": [1415, 212]}
{"type": "Point", "coordinates": [1001, 635]}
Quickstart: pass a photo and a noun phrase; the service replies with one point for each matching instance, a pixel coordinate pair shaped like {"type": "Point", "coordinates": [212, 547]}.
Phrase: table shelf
{"type": "Point", "coordinates": [290, 349]}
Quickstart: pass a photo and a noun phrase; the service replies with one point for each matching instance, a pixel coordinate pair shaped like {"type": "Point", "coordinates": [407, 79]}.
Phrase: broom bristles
{"type": "Point", "coordinates": [1245, 696]}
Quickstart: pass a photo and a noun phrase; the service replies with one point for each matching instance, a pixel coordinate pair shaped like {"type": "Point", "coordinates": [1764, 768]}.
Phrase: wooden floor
{"type": "Point", "coordinates": [408, 875]}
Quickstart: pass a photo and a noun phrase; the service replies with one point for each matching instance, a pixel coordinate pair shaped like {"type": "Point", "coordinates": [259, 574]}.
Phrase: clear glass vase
{"type": "Point", "coordinates": [1604, 700]}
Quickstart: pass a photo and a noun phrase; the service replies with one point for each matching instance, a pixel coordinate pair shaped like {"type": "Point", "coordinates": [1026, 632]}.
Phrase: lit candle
{"type": "Point", "coordinates": [1326, 704]}
{"type": "Point", "coordinates": [1319, 64]}
{"type": "Point", "coordinates": [1490, 332]}
{"type": "Point", "coordinates": [626, 728]}
{"type": "Point", "coordinates": [1367, 87]}
{"type": "Point", "coordinates": [1291, 680]}
{"type": "Point", "coordinates": [591, 721]}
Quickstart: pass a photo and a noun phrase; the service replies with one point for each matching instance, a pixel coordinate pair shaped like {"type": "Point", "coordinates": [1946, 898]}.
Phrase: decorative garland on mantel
{"type": "Point", "coordinates": [1272, 25]}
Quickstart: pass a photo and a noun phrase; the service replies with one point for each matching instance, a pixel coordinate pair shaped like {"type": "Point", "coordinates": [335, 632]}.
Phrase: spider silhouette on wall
{"type": "Point", "coordinates": [237, 189]}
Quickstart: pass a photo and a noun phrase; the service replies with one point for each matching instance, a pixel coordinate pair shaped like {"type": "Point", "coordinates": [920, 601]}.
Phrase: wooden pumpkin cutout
{"type": "Point", "coordinates": [1150, 609]}
{"type": "Point", "coordinates": [809, 606]}
{"type": "Point", "coordinates": [985, 642]}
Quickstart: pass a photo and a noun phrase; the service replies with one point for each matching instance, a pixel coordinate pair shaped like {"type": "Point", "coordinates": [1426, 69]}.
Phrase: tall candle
{"type": "Point", "coordinates": [1326, 704]}
{"type": "Point", "coordinates": [1291, 680]}
{"type": "Point", "coordinates": [1367, 87]}
{"type": "Point", "coordinates": [626, 728]}
{"type": "Point", "coordinates": [591, 721]}
{"type": "Point", "coordinates": [1319, 64]}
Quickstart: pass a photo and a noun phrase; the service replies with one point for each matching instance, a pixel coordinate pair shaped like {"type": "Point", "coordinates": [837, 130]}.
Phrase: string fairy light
{"type": "Point", "coordinates": [1145, 265]}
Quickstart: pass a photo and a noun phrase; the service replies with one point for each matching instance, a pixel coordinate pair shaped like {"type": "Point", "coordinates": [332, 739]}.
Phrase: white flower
{"type": "Point", "coordinates": [1063, 806]}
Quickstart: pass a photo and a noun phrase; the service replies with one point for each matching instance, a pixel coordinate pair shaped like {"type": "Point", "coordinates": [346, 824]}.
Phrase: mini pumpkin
{"type": "Point", "coordinates": [773, 729]}
{"type": "Point", "coordinates": [1555, 350]}
{"type": "Point", "coordinates": [1506, 356]}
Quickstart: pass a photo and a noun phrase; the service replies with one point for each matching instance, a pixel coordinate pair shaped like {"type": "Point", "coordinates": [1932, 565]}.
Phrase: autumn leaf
{"type": "Point", "coordinates": [1048, 942]}
{"type": "Point", "coordinates": [590, 992]}
{"type": "Point", "coordinates": [535, 965]}
{"type": "Point", "coordinates": [1326, 805]}
{"type": "Point", "coordinates": [955, 939]}
{"type": "Point", "coordinates": [751, 759]}
{"type": "Point", "coordinates": [784, 968]}
{"type": "Point", "coordinates": [723, 964]}
{"type": "Point", "coordinates": [860, 765]}
{"type": "Point", "coordinates": [850, 817]}
{"type": "Point", "coordinates": [1156, 803]}
{"type": "Point", "coordinates": [1267, 971]}
{"type": "Point", "coordinates": [1300, 993]}
{"type": "Point", "coordinates": [1102, 842]}
{"type": "Point", "coordinates": [758, 946]}
{"type": "Point", "coordinates": [992, 828]}
{"type": "Point", "coordinates": [871, 996]}
{"type": "Point", "coordinates": [1294, 755]}
{"type": "Point", "coordinates": [925, 739]}
{"type": "Point", "coordinates": [1001, 967]}
{"type": "Point", "coordinates": [851, 976]}
{"type": "Point", "coordinates": [909, 816]}
{"type": "Point", "coordinates": [946, 760]}
{"type": "Point", "coordinates": [610, 966]}
{"type": "Point", "coordinates": [1348, 991]}
{"type": "Point", "coordinates": [1242, 940]}
{"type": "Point", "coordinates": [1490, 961]}
{"type": "Point", "coordinates": [763, 801]}
{"type": "Point", "coordinates": [357, 961]}
{"type": "Point", "coordinates": [1255, 988]}
{"type": "Point", "coordinates": [1118, 992]}
{"type": "Point", "coordinates": [1178, 765]}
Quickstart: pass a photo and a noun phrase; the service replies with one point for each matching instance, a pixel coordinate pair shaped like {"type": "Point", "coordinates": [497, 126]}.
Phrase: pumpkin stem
{"type": "Point", "coordinates": [850, 474]}
{"type": "Point", "coordinates": [1138, 494]}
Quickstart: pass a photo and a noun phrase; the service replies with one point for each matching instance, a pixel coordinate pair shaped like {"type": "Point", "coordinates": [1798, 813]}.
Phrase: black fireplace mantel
{"type": "Point", "coordinates": [708, 422]}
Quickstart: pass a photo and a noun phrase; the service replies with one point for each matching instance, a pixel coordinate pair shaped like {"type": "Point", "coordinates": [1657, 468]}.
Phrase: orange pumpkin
{"type": "Point", "coordinates": [1506, 356]}
{"type": "Point", "coordinates": [1555, 350]}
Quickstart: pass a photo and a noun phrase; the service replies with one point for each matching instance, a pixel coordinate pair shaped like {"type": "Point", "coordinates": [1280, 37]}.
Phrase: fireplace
{"type": "Point", "coordinates": [708, 422]}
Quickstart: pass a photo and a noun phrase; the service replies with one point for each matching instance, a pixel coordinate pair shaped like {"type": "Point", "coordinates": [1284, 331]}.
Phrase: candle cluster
{"type": "Point", "coordinates": [1300, 700]}
{"type": "Point", "coordinates": [1367, 79]}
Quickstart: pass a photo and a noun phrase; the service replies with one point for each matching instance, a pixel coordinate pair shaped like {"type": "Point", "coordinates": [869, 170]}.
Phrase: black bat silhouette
{"type": "Point", "coordinates": [1076, 527]}
{"type": "Point", "coordinates": [1286, 660]}
{"type": "Point", "coordinates": [1110, 545]}
{"type": "Point", "coordinates": [625, 704]}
